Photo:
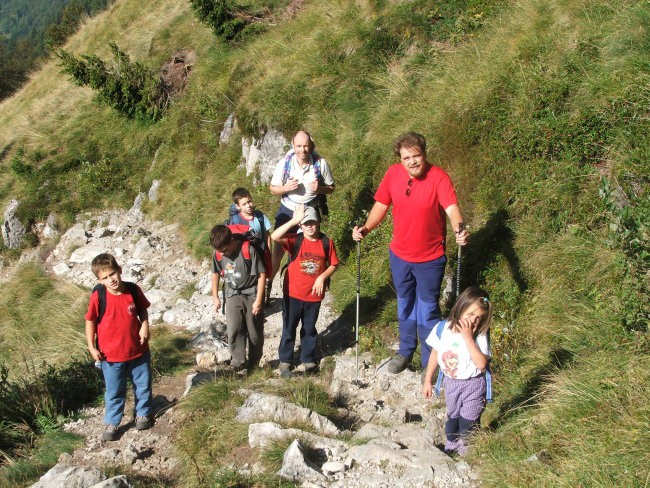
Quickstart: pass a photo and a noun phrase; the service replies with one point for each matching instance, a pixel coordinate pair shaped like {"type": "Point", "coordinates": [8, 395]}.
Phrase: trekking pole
{"type": "Point", "coordinates": [356, 339]}
{"type": "Point", "coordinates": [461, 226]}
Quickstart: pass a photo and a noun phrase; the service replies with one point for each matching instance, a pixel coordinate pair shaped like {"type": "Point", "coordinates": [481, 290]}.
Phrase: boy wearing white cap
{"type": "Point", "coordinates": [312, 261]}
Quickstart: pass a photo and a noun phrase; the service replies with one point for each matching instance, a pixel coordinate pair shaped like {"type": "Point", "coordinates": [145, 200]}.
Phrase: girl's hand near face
{"type": "Point", "coordinates": [466, 329]}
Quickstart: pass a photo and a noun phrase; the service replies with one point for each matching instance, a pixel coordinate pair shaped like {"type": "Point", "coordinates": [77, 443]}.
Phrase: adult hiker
{"type": "Point", "coordinates": [300, 177]}
{"type": "Point", "coordinates": [422, 196]}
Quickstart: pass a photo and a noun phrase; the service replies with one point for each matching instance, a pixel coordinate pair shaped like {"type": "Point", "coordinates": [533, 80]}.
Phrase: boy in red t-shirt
{"type": "Point", "coordinates": [308, 271]}
{"type": "Point", "coordinates": [117, 333]}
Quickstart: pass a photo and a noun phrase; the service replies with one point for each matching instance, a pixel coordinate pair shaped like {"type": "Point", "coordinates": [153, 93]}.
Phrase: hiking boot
{"type": "Point", "coordinates": [237, 369]}
{"type": "Point", "coordinates": [310, 368]}
{"type": "Point", "coordinates": [142, 423]}
{"type": "Point", "coordinates": [285, 370]}
{"type": "Point", "coordinates": [397, 364]}
{"type": "Point", "coordinates": [110, 433]}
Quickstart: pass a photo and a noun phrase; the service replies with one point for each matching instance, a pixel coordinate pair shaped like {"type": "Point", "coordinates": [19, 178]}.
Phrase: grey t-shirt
{"type": "Point", "coordinates": [240, 277]}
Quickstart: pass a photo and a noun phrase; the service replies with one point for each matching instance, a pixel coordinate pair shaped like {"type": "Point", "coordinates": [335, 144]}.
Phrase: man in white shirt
{"type": "Point", "coordinates": [302, 176]}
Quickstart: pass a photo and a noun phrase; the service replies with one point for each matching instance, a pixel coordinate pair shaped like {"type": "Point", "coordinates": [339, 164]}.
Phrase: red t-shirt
{"type": "Point", "coordinates": [419, 219]}
{"type": "Point", "coordinates": [308, 265]}
{"type": "Point", "coordinates": [118, 332]}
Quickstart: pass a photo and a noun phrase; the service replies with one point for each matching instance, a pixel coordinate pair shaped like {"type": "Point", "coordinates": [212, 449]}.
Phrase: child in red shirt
{"type": "Point", "coordinates": [307, 273]}
{"type": "Point", "coordinates": [117, 333]}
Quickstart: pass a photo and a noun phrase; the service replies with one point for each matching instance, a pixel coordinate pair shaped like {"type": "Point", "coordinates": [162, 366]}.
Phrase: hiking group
{"type": "Point", "coordinates": [422, 197]}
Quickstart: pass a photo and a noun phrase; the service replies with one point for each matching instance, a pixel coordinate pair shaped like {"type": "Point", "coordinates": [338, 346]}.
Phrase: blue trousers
{"type": "Point", "coordinates": [296, 311]}
{"type": "Point", "coordinates": [138, 370]}
{"type": "Point", "coordinates": [418, 292]}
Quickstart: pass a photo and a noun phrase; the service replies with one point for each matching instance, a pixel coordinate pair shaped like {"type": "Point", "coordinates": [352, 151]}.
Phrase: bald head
{"type": "Point", "coordinates": [303, 145]}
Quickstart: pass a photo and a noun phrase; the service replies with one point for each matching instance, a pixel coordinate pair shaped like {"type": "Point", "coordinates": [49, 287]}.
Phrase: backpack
{"type": "Point", "coordinates": [488, 377]}
{"type": "Point", "coordinates": [132, 288]}
{"type": "Point", "coordinates": [248, 237]}
{"type": "Point", "coordinates": [320, 199]}
{"type": "Point", "coordinates": [325, 241]}
{"type": "Point", "coordinates": [235, 218]}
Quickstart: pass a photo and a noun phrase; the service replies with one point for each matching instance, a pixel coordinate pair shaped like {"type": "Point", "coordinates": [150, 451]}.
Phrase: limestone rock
{"type": "Point", "coordinates": [263, 407]}
{"type": "Point", "coordinates": [228, 128]}
{"type": "Point", "coordinates": [264, 153]}
{"type": "Point", "coordinates": [13, 231]}
{"type": "Point", "coordinates": [62, 476]}
{"type": "Point", "coordinates": [296, 467]}
{"type": "Point", "coordinates": [153, 191]}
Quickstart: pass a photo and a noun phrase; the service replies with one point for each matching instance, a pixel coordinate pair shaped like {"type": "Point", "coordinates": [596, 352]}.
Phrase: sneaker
{"type": "Point", "coordinates": [285, 370]}
{"type": "Point", "coordinates": [142, 423]}
{"type": "Point", "coordinates": [310, 367]}
{"type": "Point", "coordinates": [397, 364]}
{"type": "Point", "coordinates": [110, 433]}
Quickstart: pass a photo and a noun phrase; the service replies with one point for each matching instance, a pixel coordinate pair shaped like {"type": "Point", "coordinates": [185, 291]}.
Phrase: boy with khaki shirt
{"type": "Point", "coordinates": [242, 269]}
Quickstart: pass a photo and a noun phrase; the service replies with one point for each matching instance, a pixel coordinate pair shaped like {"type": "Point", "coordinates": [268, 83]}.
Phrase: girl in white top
{"type": "Point", "coordinates": [462, 352]}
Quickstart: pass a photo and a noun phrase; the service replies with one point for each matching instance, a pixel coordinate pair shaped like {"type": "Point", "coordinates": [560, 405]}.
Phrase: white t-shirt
{"type": "Point", "coordinates": [306, 175]}
{"type": "Point", "coordinates": [453, 356]}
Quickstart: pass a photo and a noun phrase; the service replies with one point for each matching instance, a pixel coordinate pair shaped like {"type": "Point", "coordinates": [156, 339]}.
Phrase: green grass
{"type": "Point", "coordinates": [40, 313]}
{"type": "Point", "coordinates": [25, 472]}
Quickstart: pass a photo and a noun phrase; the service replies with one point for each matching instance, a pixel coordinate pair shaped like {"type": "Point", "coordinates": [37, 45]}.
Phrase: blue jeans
{"type": "Point", "coordinates": [298, 310]}
{"type": "Point", "coordinates": [418, 291]}
{"type": "Point", "coordinates": [138, 370]}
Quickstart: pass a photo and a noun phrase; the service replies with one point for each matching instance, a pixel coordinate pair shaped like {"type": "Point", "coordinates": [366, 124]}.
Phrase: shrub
{"type": "Point", "coordinates": [128, 87]}
{"type": "Point", "coordinates": [224, 16]}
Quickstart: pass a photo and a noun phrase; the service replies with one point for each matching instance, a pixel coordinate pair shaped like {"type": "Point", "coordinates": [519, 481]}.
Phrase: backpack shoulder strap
{"type": "Point", "coordinates": [246, 250]}
{"type": "Point", "coordinates": [260, 219]}
{"type": "Point", "coordinates": [297, 245]}
{"type": "Point", "coordinates": [101, 298]}
{"type": "Point", "coordinates": [440, 326]}
{"type": "Point", "coordinates": [317, 171]}
{"type": "Point", "coordinates": [488, 375]}
{"type": "Point", "coordinates": [326, 248]}
{"type": "Point", "coordinates": [287, 166]}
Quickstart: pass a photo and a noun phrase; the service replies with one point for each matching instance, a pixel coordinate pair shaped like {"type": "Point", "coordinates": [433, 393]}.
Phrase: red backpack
{"type": "Point", "coordinates": [244, 233]}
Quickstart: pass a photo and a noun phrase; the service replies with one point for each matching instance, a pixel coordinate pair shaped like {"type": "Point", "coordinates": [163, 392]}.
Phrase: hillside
{"type": "Point", "coordinates": [538, 110]}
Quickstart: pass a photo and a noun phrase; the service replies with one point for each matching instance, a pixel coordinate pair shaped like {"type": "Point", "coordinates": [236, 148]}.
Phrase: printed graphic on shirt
{"type": "Point", "coordinates": [230, 274]}
{"type": "Point", "coordinates": [450, 360]}
{"type": "Point", "coordinates": [132, 309]}
{"type": "Point", "coordinates": [310, 264]}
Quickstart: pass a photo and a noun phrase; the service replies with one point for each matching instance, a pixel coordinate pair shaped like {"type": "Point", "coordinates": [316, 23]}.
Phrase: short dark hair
{"type": "Point", "coordinates": [410, 139]}
{"type": "Point", "coordinates": [471, 295]}
{"type": "Point", "coordinates": [240, 193]}
{"type": "Point", "coordinates": [220, 237]}
{"type": "Point", "coordinates": [104, 261]}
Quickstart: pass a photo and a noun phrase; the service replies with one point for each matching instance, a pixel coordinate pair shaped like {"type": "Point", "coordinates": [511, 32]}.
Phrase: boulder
{"type": "Point", "coordinates": [13, 231]}
{"type": "Point", "coordinates": [262, 407]}
{"type": "Point", "coordinates": [264, 153]}
{"type": "Point", "coordinates": [62, 476]}
{"type": "Point", "coordinates": [297, 467]}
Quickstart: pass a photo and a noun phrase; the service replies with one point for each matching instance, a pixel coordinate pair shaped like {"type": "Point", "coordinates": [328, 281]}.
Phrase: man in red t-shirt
{"type": "Point", "coordinates": [422, 197]}
{"type": "Point", "coordinates": [307, 276]}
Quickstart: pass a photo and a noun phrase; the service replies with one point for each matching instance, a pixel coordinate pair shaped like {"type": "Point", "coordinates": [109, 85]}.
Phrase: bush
{"type": "Point", "coordinates": [224, 16]}
{"type": "Point", "coordinates": [33, 405]}
{"type": "Point", "coordinates": [128, 87]}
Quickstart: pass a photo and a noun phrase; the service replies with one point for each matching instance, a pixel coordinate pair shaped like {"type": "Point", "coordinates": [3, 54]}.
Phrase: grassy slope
{"type": "Point", "coordinates": [527, 107]}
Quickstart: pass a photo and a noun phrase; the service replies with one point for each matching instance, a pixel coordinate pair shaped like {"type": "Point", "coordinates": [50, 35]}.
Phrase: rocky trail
{"type": "Point", "coordinates": [394, 446]}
